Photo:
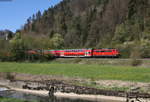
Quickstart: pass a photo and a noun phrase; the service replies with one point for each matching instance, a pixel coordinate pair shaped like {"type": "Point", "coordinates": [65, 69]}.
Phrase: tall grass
{"type": "Point", "coordinates": [94, 72]}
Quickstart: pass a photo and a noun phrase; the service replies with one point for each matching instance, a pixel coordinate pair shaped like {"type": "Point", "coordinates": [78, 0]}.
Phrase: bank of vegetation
{"type": "Point", "coordinates": [16, 48]}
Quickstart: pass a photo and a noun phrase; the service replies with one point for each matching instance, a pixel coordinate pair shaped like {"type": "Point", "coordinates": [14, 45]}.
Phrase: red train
{"type": "Point", "coordinates": [113, 53]}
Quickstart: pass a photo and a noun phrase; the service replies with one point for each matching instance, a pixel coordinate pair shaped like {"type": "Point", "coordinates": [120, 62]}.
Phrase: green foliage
{"type": "Point", "coordinates": [32, 42]}
{"type": "Point", "coordinates": [20, 44]}
{"type": "Point", "coordinates": [125, 50]}
{"type": "Point", "coordinates": [18, 47]}
{"type": "Point", "coordinates": [127, 32]}
{"type": "Point", "coordinates": [136, 54]}
{"type": "Point", "coordinates": [102, 1]}
{"type": "Point", "coordinates": [4, 50]}
{"type": "Point", "coordinates": [40, 57]}
{"type": "Point", "coordinates": [133, 31]}
{"type": "Point", "coordinates": [56, 42]}
{"type": "Point", "coordinates": [132, 8]}
{"type": "Point", "coordinates": [122, 34]}
{"type": "Point", "coordinates": [145, 48]}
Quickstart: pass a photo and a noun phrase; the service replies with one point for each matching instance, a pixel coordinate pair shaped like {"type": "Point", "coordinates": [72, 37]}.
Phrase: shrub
{"type": "Point", "coordinates": [136, 62]}
{"type": "Point", "coordinates": [46, 57]}
{"type": "Point", "coordinates": [10, 76]}
{"type": "Point", "coordinates": [40, 56]}
{"type": "Point", "coordinates": [77, 60]}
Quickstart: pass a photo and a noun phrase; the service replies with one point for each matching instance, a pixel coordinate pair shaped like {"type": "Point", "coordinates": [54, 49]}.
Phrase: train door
{"type": "Point", "coordinates": [88, 53]}
{"type": "Point", "coordinates": [62, 53]}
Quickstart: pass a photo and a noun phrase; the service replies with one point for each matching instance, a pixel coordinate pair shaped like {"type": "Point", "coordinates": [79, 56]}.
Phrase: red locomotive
{"type": "Point", "coordinates": [79, 53]}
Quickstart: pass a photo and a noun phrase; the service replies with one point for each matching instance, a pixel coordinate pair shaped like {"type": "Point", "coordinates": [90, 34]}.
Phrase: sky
{"type": "Point", "coordinates": [14, 13]}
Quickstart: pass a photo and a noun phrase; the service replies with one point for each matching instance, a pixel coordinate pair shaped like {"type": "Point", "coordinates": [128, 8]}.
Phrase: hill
{"type": "Point", "coordinates": [121, 24]}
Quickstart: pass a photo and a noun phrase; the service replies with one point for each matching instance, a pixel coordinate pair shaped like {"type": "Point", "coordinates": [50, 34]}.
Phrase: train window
{"type": "Point", "coordinates": [100, 51]}
{"type": "Point", "coordinates": [103, 51]}
{"type": "Point", "coordinates": [108, 51]}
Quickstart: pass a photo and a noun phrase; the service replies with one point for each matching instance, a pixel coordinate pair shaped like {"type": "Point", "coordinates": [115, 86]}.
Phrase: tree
{"type": "Point", "coordinates": [56, 42]}
{"type": "Point", "coordinates": [17, 47]}
{"type": "Point", "coordinates": [38, 15]}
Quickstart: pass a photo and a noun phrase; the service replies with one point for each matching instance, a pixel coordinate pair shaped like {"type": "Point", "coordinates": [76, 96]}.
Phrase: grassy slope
{"type": "Point", "coordinates": [94, 72]}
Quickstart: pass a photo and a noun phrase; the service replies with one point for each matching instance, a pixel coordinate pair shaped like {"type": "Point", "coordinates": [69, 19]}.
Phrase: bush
{"type": "Point", "coordinates": [46, 57]}
{"type": "Point", "coordinates": [39, 56]}
{"type": "Point", "coordinates": [125, 49]}
{"type": "Point", "coordinates": [77, 60]}
{"type": "Point", "coordinates": [5, 56]}
{"type": "Point", "coordinates": [136, 62]}
{"type": "Point", "coordinates": [10, 76]}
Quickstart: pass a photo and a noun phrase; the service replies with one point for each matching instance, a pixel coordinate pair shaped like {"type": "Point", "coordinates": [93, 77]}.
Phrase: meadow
{"type": "Point", "coordinates": [92, 71]}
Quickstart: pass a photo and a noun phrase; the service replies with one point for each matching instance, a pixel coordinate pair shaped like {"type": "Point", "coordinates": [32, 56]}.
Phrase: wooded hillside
{"type": "Point", "coordinates": [93, 23]}
{"type": "Point", "coordinates": [121, 24]}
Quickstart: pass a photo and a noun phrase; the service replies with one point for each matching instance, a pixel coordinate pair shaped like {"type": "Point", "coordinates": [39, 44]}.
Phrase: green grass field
{"type": "Point", "coordinates": [94, 72]}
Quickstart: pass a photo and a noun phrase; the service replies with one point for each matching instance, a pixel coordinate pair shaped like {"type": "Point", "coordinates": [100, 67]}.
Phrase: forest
{"type": "Point", "coordinates": [71, 24]}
